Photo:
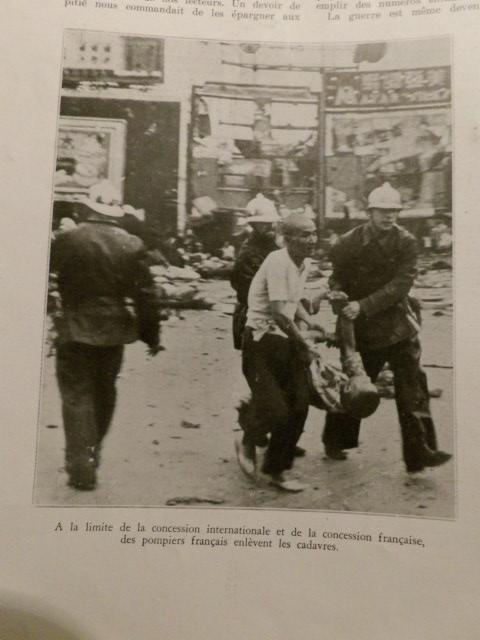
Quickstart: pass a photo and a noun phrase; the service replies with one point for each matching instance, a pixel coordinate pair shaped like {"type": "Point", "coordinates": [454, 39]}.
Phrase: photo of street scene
{"type": "Point", "coordinates": [250, 298]}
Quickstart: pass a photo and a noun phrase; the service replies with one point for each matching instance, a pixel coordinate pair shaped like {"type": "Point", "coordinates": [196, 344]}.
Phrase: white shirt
{"type": "Point", "coordinates": [278, 280]}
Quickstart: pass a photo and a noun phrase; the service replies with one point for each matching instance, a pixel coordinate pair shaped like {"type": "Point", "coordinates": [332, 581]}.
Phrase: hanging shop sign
{"type": "Point", "coordinates": [93, 56]}
{"type": "Point", "coordinates": [384, 89]}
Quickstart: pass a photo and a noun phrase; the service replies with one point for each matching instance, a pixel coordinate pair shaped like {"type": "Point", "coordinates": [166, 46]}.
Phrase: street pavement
{"type": "Point", "coordinates": [171, 441]}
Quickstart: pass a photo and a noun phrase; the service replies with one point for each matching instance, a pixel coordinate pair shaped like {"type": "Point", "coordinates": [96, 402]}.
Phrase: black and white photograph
{"type": "Point", "coordinates": [250, 277]}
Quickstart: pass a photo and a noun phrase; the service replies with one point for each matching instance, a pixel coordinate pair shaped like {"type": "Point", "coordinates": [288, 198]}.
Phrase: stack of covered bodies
{"type": "Point", "coordinates": [178, 288]}
{"type": "Point", "coordinates": [209, 266]}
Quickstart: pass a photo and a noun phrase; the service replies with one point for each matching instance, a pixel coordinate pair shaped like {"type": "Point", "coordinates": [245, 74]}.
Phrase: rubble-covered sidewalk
{"type": "Point", "coordinates": [171, 441]}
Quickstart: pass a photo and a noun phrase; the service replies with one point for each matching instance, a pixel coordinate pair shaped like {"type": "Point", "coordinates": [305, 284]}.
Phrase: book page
{"type": "Point", "coordinates": [200, 115]}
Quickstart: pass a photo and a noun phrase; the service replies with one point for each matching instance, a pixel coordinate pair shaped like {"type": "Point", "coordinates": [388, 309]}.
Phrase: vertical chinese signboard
{"type": "Point", "coordinates": [390, 126]}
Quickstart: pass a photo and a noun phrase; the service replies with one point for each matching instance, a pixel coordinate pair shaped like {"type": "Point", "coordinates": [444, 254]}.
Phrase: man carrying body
{"type": "Point", "coordinates": [280, 397]}
{"type": "Point", "coordinates": [375, 266]}
{"type": "Point", "coordinates": [99, 266]}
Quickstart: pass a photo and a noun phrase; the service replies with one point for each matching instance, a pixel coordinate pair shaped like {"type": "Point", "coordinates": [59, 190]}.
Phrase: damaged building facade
{"type": "Point", "coordinates": [190, 131]}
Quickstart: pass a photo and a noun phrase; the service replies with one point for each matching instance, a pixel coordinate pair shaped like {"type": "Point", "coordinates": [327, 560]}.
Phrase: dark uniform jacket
{"type": "Point", "coordinates": [250, 257]}
{"type": "Point", "coordinates": [106, 289]}
{"type": "Point", "coordinates": [378, 271]}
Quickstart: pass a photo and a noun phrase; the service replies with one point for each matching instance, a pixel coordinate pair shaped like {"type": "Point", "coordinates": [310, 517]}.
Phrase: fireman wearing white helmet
{"type": "Point", "coordinates": [261, 206]}
{"type": "Point", "coordinates": [375, 265]}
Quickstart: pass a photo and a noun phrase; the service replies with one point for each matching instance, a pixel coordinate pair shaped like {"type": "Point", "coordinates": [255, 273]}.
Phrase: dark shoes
{"type": "Point", "coordinates": [82, 478]}
{"type": "Point", "coordinates": [335, 454]}
{"type": "Point", "coordinates": [436, 458]}
{"type": "Point", "coordinates": [82, 471]}
{"type": "Point", "coordinates": [430, 459]}
{"type": "Point", "coordinates": [82, 484]}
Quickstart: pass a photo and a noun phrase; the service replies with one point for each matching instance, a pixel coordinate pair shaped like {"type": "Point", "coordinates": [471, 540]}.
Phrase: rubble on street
{"type": "Point", "coordinates": [176, 421]}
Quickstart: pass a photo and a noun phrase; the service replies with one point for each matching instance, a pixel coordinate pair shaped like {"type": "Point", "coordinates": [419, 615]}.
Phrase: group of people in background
{"type": "Point", "coordinates": [108, 300]}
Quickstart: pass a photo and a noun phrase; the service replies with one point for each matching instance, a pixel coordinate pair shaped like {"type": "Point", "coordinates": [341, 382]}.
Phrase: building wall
{"type": "Point", "coordinates": [158, 162]}
{"type": "Point", "coordinates": [151, 169]}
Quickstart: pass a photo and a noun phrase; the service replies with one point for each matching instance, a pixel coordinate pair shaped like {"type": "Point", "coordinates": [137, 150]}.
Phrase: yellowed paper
{"type": "Point", "coordinates": [175, 542]}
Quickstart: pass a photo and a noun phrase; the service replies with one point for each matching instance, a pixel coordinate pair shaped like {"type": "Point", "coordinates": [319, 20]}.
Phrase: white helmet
{"type": "Point", "coordinates": [104, 198]}
{"type": "Point", "coordinates": [385, 197]}
{"type": "Point", "coordinates": [139, 214]}
{"type": "Point", "coordinates": [270, 218]}
{"type": "Point", "coordinates": [261, 206]}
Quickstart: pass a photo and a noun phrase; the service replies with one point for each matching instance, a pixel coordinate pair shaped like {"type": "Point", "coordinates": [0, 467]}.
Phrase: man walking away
{"type": "Point", "coordinates": [375, 266]}
{"type": "Point", "coordinates": [108, 300]}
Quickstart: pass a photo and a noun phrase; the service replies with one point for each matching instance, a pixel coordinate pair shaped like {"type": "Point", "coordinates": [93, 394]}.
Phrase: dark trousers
{"type": "Point", "coordinates": [280, 398]}
{"type": "Point", "coordinates": [249, 358]}
{"type": "Point", "coordinates": [86, 377]}
{"type": "Point", "coordinates": [411, 396]}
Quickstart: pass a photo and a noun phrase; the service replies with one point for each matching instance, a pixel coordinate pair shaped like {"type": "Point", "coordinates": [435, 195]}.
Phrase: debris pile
{"type": "Point", "coordinates": [177, 287]}
{"type": "Point", "coordinates": [433, 286]}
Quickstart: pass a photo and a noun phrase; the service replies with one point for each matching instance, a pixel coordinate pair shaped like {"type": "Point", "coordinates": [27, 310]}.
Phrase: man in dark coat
{"type": "Point", "coordinates": [375, 266]}
{"type": "Point", "coordinates": [252, 253]}
{"type": "Point", "coordinates": [107, 301]}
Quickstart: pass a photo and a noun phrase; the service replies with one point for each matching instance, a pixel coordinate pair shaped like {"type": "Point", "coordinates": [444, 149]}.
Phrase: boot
{"type": "Point", "coordinates": [418, 452]}
{"type": "Point", "coordinates": [82, 470]}
{"type": "Point", "coordinates": [429, 459]}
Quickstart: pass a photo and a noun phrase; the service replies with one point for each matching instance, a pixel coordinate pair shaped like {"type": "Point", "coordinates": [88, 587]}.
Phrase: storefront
{"type": "Point", "coordinates": [250, 139]}
{"type": "Point", "coordinates": [390, 126]}
{"type": "Point", "coordinates": [116, 123]}
{"type": "Point", "coordinates": [246, 140]}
